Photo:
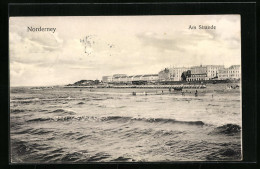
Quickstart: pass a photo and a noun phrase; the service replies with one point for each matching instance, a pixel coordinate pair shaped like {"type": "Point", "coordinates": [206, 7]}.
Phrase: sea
{"type": "Point", "coordinates": [82, 125]}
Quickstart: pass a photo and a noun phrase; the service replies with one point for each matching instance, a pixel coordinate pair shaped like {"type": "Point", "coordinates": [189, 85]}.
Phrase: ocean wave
{"type": "Point", "coordinates": [31, 100]}
{"type": "Point", "coordinates": [97, 99]}
{"type": "Point", "coordinates": [227, 129]}
{"type": "Point", "coordinates": [34, 152]}
{"type": "Point", "coordinates": [63, 112]}
{"type": "Point", "coordinates": [213, 105]}
{"type": "Point", "coordinates": [40, 131]}
{"type": "Point", "coordinates": [141, 133]}
{"type": "Point", "coordinates": [115, 119]}
{"type": "Point", "coordinates": [150, 120]}
{"type": "Point", "coordinates": [123, 159]}
{"type": "Point", "coordinates": [53, 157]}
{"type": "Point", "coordinates": [82, 137]}
{"type": "Point", "coordinates": [22, 132]}
{"type": "Point", "coordinates": [16, 111]}
{"type": "Point", "coordinates": [39, 119]}
{"type": "Point", "coordinates": [20, 147]}
{"type": "Point", "coordinates": [24, 98]}
{"type": "Point", "coordinates": [162, 120]}
{"type": "Point", "coordinates": [81, 103]}
{"type": "Point", "coordinates": [231, 152]}
{"type": "Point", "coordinates": [98, 157]}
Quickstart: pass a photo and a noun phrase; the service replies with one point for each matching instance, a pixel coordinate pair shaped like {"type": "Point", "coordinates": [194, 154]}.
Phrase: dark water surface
{"type": "Point", "coordinates": [104, 125]}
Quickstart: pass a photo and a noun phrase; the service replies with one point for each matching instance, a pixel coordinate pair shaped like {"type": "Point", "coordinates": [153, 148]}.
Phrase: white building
{"type": "Point", "coordinates": [205, 72]}
{"type": "Point", "coordinates": [107, 79]}
{"type": "Point", "coordinates": [130, 78]}
{"type": "Point", "coordinates": [137, 77]}
{"type": "Point", "coordinates": [123, 79]}
{"type": "Point", "coordinates": [233, 72]}
{"type": "Point", "coordinates": [150, 77]}
{"type": "Point", "coordinates": [223, 74]}
{"type": "Point", "coordinates": [117, 77]}
{"type": "Point", "coordinates": [197, 77]}
{"type": "Point", "coordinates": [213, 70]}
{"type": "Point", "coordinates": [176, 72]}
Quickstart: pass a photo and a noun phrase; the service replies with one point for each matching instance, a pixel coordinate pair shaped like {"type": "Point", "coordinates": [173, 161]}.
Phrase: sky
{"type": "Point", "coordinates": [89, 47]}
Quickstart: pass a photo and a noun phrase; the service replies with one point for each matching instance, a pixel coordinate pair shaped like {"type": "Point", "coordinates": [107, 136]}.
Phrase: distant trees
{"type": "Point", "coordinates": [85, 83]}
{"type": "Point", "coordinates": [185, 74]}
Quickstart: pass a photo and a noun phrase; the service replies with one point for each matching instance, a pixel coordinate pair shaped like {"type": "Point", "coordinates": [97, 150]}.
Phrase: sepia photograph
{"type": "Point", "coordinates": [148, 88]}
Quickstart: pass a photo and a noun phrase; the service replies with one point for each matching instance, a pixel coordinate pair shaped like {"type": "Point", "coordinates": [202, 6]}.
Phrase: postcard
{"type": "Point", "coordinates": [150, 88]}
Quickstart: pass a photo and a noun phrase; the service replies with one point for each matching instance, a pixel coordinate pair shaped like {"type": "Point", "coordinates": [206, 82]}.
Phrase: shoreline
{"type": "Point", "coordinates": [143, 86]}
{"type": "Point", "coordinates": [175, 87]}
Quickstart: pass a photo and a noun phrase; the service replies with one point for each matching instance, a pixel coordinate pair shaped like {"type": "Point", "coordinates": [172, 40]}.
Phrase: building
{"type": "Point", "coordinates": [195, 73]}
{"type": "Point", "coordinates": [150, 77]}
{"type": "Point", "coordinates": [117, 77]}
{"type": "Point", "coordinates": [213, 70]}
{"type": "Point", "coordinates": [198, 70]}
{"type": "Point", "coordinates": [123, 79]}
{"type": "Point", "coordinates": [233, 72]}
{"type": "Point", "coordinates": [197, 77]}
{"type": "Point", "coordinates": [137, 77]}
{"type": "Point", "coordinates": [205, 72]}
{"type": "Point", "coordinates": [176, 73]}
{"type": "Point", "coordinates": [106, 79]}
{"type": "Point", "coordinates": [130, 78]}
{"type": "Point", "coordinates": [198, 73]}
{"type": "Point", "coordinates": [223, 74]}
{"type": "Point", "coordinates": [164, 75]}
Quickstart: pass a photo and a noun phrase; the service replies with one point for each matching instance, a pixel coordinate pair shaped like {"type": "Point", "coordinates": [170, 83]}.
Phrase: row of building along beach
{"type": "Point", "coordinates": [176, 77]}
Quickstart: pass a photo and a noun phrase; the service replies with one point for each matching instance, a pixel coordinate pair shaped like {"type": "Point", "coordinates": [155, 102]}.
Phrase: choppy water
{"type": "Point", "coordinates": [104, 125]}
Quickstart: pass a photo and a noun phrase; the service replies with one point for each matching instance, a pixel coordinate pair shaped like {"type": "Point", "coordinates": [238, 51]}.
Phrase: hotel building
{"type": "Point", "coordinates": [198, 73]}
{"type": "Point", "coordinates": [205, 72]}
{"type": "Point", "coordinates": [176, 72]}
{"type": "Point", "coordinates": [213, 70]}
{"type": "Point", "coordinates": [106, 79]}
{"type": "Point", "coordinates": [233, 72]}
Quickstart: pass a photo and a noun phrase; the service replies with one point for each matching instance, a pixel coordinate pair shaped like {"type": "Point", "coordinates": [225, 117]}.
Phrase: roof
{"type": "Point", "coordinates": [150, 75]}
{"type": "Point", "coordinates": [214, 65]}
{"type": "Point", "coordinates": [234, 66]}
{"type": "Point", "coordinates": [119, 75]}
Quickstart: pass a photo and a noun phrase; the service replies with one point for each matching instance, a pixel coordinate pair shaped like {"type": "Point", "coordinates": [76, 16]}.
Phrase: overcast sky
{"type": "Point", "coordinates": [116, 44]}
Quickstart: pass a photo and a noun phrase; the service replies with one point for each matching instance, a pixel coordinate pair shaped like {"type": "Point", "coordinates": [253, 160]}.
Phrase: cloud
{"type": "Point", "coordinates": [80, 67]}
{"type": "Point", "coordinates": [227, 33]}
{"type": "Point", "coordinates": [160, 42]}
{"type": "Point", "coordinates": [34, 48]}
{"type": "Point", "coordinates": [174, 41]}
